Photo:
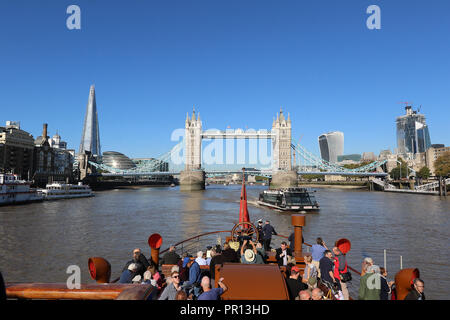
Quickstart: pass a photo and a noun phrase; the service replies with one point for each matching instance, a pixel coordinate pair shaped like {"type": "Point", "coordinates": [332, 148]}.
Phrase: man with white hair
{"type": "Point", "coordinates": [211, 294]}
{"type": "Point", "coordinates": [367, 262]}
{"type": "Point", "coordinates": [370, 284]}
{"type": "Point", "coordinates": [304, 295]}
{"type": "Point", "coordinates": [317, 294]}
{"type": "Point", "coordinates": [200, 260]}
{"type": "Point", "coordinates": [128, 274]}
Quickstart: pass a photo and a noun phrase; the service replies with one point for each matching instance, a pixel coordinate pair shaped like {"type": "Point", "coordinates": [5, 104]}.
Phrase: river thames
{"type": "Point", "coordinates": [39, 241]}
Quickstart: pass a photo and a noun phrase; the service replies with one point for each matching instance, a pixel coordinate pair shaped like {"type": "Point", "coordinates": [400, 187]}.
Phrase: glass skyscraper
{"type": "Point", "coordinates": [331, 146]}
{"type": "Point", "coordinates": [412, 133]}
{"type": "Point", "coordinates": [90, 139]}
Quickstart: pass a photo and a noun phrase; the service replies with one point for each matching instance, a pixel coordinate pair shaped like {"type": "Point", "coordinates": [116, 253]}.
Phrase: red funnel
{"type": "Point", "coordinates": [155, 241]}
{"type": "Point", "coordinates": [344, 245]}
{"type": "Point", "coordinates": [99, 269]}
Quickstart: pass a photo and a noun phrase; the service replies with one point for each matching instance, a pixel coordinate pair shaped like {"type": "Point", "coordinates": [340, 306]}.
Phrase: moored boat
{"type": "Point", "coordinates": [16, 191]}
{"type": "Point", "coordinates": [58, 190]}
{"type": "Point", "coordinates": [288, 199]}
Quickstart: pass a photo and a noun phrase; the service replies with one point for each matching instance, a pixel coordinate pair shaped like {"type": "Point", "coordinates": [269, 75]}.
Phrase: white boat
{"type": "Point", "coordinates": [288, 199]}
{"type": "Point", "coordinates": [16, 191]}
{"type": "Point", "coordinates": [59, 190]}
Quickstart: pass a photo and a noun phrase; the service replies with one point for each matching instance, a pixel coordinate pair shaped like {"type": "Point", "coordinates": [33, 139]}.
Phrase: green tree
{"type": "Point", "coordinates": [400, 171]}
{"type": "Point", "coordinates": [424, 173]}
{"type": "Point", "coordinates": [442, 165]}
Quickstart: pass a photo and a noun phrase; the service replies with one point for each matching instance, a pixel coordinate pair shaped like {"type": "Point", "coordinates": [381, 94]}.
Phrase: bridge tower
{"type": "Point", "coordinates": [193, 177]}
{"type": "Point", "coordinates": [283, 175]}
{"type": "Point", "coordinates": [193, 142]}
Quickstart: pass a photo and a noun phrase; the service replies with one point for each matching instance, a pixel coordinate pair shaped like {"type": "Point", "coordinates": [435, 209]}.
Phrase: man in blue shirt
{"type": "Point", "coordinates": [194, 275]}
{"type": "Point", "coordinates": [211, 294]}
{"type": "Point", "coordinates": [317, 251]}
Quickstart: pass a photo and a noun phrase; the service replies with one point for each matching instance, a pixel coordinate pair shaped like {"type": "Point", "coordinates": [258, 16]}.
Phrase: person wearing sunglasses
{"type": "Point", "coordinates": [170, 291]}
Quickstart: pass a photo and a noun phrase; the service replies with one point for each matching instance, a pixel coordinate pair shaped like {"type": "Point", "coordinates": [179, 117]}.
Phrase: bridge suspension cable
{"type": "Point", "coordinates": [324, 165]}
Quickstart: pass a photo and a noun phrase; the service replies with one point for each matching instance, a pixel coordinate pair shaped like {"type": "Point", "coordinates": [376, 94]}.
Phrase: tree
{"type": "Point", "coordinates": [396, 173]}
{"type": "Point", "coordinates": [424, 173]}
{"type": "Point", "coordinates": [442, 165]}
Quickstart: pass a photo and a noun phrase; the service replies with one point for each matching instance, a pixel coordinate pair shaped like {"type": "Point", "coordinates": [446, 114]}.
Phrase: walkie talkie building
{"type": "Point", "coordinates": [331, 145]}
{"type": "Point", "coordinates": [90, 139]}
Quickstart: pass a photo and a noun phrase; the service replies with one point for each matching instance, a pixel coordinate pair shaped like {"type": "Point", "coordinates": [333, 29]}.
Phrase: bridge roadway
{"type": "Point", "coordinates": [249, 172]}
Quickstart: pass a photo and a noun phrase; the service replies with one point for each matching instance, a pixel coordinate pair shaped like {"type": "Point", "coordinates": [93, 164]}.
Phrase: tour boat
{"type": "Point", "coordinates": [16, 191]}
{"type": "Point", "coordinates": [288, 199]}
{"type": "Point", "coordinates": [58, 190]}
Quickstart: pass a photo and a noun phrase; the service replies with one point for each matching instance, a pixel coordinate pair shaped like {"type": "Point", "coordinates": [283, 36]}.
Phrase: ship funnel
{"type": "Point", "coordinates": [404, 282]}
{"type": "Point", "coordinates": [99, 269]}
{"type": "Point", "coordinates": [298, 221]}
{"type": "Point", "coordinates": [155, 242]}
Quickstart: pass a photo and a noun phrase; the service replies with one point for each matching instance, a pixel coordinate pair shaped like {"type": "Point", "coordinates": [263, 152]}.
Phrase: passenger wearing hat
{"type": "Point", "coordinates": [294, 284]}
{"type": "Point", "coordinates": [194, 275]}
{"type": "Point", "coordinates": [260, 232]}
{"type": "Point", "coordinates": [249, 256]}
{"type": "Point", "coordinates": [268, 231]}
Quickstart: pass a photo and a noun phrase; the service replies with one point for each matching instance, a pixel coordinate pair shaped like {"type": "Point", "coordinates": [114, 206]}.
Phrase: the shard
{"type": "Point", "coordinates": [90, 139]}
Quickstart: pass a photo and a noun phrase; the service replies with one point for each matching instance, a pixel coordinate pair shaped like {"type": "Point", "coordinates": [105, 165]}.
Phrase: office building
{"type": "Point", "coordinates": [412, 134]}
{"type": "Point", "coordinates": [117, 160]}
{"type": "Point", "coordinates": [331, 146]}
{"type": "Point", "coordinates": [16, 150]}
{"type": "Point", "coordinates": [90, 139]}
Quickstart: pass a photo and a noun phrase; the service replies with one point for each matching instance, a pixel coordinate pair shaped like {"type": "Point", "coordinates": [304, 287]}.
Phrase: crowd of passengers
{"type": "Point", "coordinates": [324, 271]}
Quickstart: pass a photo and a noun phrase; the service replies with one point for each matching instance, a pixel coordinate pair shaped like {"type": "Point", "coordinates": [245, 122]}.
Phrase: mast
{"type": "Point", "coordinates": [243, 210]}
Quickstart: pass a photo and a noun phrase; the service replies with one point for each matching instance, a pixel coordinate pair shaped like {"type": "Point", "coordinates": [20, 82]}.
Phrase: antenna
{"type": "Point", "coordinates": [406, 103]}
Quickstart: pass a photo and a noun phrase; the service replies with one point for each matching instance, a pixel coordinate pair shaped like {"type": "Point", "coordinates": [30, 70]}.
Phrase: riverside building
{"type": "Point", "coordinates": [412, 134]}
{"type": "Point", "coordinates": [16, 150]}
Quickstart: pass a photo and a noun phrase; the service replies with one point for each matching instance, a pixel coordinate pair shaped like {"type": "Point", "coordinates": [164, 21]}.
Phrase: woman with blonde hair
{"type": "Point", "coordinates": [310, 273]}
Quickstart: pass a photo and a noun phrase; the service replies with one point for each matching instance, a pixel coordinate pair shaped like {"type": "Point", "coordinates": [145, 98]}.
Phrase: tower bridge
{"type": "Point", "coordinates": [282, 172]}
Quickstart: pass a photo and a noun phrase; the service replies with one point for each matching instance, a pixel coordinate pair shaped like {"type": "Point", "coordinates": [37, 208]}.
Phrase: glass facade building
{"type": "Point", "coordinates": [90, 139]}
{"type": "Point", "coordinates": [331, 145]}
{"type": "Point", "coordinates": [412, 133]}
{"type": "Point", "coordinates": [117, 160]}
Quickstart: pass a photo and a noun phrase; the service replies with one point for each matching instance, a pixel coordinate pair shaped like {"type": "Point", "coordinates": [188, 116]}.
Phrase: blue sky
{"type": "Point", "coordinates": [237, 61]}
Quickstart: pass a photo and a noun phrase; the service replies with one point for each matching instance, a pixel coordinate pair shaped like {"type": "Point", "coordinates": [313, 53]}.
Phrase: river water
{"type": "Point", "coordinates": [39, 241]}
